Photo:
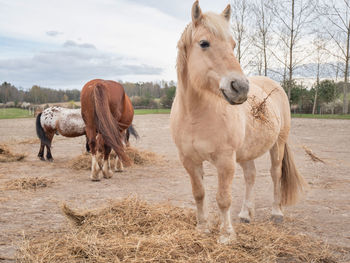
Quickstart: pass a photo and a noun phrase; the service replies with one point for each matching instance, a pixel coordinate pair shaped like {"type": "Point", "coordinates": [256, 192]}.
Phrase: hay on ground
{"type": "Point", "coordinates": [312, 155]}
{"type": "Point", "coordinates": [137, 157]}
{"type": "Point", "coordinates": [29, 141]}
{"type": "Point", "coordinates": [132, 230]}
{"type": "Point", "coordinates": [27, 183]}
{"type": "Point", "coordinates": [6, 155]}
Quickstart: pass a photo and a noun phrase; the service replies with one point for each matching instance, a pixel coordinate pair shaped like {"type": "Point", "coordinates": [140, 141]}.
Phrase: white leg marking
{"type": "Point", "coordinates": [106, 170]}
{"type": "Point", "coordinates": [95, 169]}
{"type": "Point", "coordinates": [247, 211]}
{"type": "Point", "coordinates": [118, 165]}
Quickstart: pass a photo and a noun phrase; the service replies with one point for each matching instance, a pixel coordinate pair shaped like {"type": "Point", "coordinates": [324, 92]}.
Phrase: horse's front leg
{"type": "Point", "coordinates": [225, 165]}
{"type": "Point", "coordinates": [106, 169]}
{"type": "Point", "coordinates": [195, 170]}
{"type": "Point", "coordinates": [247, 211]}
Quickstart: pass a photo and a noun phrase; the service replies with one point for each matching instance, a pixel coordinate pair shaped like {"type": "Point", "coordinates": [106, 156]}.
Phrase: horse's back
{"type": "Point", "coordinates": [119, 103]}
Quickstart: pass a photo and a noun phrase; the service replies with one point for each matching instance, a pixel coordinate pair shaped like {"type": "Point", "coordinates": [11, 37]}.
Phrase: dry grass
{"type": "Point", "coordinates": [137, 157]}
{"type": "Point", "coordinates": [6, 155]}
{"type": "Point", "coordinates": [259, 110]}
{"type": "Point", "coordinates": [27, 183]}
{"type": "Point", "coordinates": [29, 141]}
{"type": "Point", "coordinates": [131, 230]}
{"type": "Point", "coordinates": [313, 157]}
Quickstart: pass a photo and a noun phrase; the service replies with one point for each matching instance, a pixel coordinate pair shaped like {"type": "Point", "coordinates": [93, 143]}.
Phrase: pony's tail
{"type": "Point", "coordinates": [40, 131]}
{"type": "Point", "coordinates": [107, 125]}
{"type": "Point", "coordinates": [293, 184]}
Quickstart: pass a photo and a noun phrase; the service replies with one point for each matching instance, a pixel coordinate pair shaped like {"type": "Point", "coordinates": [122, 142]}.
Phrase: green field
{"type": "Point", "coordinates": [13, 113]}
{"type": "Point", "coordinates": [321, 116]}
{"type": "Point", "coordinates": [151, 111]}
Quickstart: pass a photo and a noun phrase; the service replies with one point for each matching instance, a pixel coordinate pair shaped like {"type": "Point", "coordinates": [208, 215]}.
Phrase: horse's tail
{"type": "Point", "coordinates": [292, 183]}
{"type": "Point", "coordinates": [106, 124]}
{"type": "Point", "coordinates": [131, 130]}
{"type": "Point", "coordinates": [40, 131]}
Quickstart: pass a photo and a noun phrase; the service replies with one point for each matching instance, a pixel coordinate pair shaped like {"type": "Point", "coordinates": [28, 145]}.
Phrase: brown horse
{"type": "Point", "coordinates": [221, 116]}
{"type": "Point", "coordinates": [106, 110]}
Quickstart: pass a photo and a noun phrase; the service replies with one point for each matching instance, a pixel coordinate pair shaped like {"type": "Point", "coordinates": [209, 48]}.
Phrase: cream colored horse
{"type": "Point", "coordinates": [212, 120]}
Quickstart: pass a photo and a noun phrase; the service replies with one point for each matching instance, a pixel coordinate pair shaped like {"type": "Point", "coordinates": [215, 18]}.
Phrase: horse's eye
{"type": "Point", "coordinates": [204, 44]}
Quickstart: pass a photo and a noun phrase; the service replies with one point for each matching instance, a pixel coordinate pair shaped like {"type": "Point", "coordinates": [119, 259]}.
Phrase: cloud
{"type": "Point", "coordinates": [71, 43]}
{"type": "Point", "coordinates": [53, 33]}
{"type": "Point", "coordinates": [71, 65]}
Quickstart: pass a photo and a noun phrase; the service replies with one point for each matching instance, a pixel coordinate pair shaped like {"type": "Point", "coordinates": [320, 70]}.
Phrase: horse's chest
{"type": "Point", "coordinates": [201, 142]}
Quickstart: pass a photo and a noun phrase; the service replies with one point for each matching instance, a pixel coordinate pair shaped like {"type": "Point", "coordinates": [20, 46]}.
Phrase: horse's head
{"type": "Point", "coordinates": [206, 56]}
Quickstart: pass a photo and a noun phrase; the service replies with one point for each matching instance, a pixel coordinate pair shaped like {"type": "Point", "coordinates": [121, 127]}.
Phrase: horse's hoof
{"type": "Point", "coordinates": [244, 220]}
{"type": "Point", "coordinates": [227, 239]}
{"type": "Point", "coordinates": [95, 178]}
{"type": "Point", "coordinates": [50, 160]}
{"type": "Point", "coordinates": [277, 219]}
{"type": "Point", "coordinates": [203, 228]}
{"type": "Point", "coordinates": [119, 170]}
{"type": "Point", "coordinates": [108, 174]}
{"type": "Point", "coordinates": [42, 159]}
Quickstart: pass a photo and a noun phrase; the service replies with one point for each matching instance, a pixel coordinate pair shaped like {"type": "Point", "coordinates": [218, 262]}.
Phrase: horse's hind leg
{"type": "Point", "coordinates": [118, 165]}
{"type": "Point", "coordinates": [41, 151]}
{"type": "Point", "coordinates": [95, 168]}
{"type": "Point", "coordinates": [247, 211]}
{"type": "Point", "coordinates": [276, 153]}
{"type": "Point", "coordinates": [106, 170]}
{"type": "Point", "coordinates": [48, 148]}
{"type": "Point", "coordinates": [195, 170]}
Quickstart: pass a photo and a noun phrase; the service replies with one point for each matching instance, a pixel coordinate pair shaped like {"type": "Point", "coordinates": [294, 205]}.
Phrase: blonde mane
{"type": "Point", "coordinates": [214, 23]}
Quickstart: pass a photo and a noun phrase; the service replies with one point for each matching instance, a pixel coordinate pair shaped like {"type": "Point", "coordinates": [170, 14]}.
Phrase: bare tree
{"type": "Point", "coordinates": [240, 15]}
{"type": "Point", "coordinates": [319, 44]}
{"type": "Point", "coordinates": [262, 38]}
{"type": "Point", "coordinates": [293, 17]}
{"type": "Point", "coordinates": [337, 15]}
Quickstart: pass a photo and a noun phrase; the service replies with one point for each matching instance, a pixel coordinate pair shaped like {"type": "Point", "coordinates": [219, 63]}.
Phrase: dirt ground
{"type": "Point", "coordinates": [324, 213]}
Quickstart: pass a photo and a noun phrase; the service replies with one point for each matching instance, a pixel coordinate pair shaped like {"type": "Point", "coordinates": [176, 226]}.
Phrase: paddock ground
{"type": "Point", "coordinates": [324, 213]}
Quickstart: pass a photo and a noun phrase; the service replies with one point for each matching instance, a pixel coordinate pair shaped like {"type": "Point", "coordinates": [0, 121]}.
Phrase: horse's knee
{"type": "Point", "coordinates": [198, 193]}
{"type": "Point", "coordinates": [223, 200]}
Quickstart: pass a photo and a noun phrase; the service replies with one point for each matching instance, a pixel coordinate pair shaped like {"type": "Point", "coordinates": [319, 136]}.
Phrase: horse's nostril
{"type": "Point", "coordinates": [233, 84]}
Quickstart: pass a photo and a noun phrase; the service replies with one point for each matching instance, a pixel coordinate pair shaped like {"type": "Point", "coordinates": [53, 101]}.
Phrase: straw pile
{"type": "Point", "coordinates": [131, 230]}
{"type": "Point", "coordinates": [313, 156]}
{"type": "Point", "coordinates": [137, 157]}
{"type": "Point", "coordinates": [27, 183]}
{"type": "Point", "coordinates": [6, 155]}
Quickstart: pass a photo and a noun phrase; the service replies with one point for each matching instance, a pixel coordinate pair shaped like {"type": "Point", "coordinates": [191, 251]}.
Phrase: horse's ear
{"type": "Point", "coordinates": [227, 12]}
{"type": "Point", "coordinates": [196, 13]}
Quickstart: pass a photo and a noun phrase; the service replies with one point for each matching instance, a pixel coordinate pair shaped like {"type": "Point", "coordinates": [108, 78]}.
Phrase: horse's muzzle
{"type": "Point", "coordinates": [234, 88]}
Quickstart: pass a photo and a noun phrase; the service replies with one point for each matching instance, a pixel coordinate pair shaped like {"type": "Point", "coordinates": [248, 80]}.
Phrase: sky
{"type": "Point", "coordinates": [62, 44]}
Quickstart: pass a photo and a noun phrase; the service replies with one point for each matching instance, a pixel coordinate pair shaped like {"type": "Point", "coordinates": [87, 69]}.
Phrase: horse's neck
{"type": "Point", "coordinates": [193, 103]}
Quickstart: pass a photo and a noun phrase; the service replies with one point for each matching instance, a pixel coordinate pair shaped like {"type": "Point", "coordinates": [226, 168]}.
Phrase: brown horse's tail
{"type": "Point", "coordinates": [107, 124]}
{"type": "Point", "coordinates": [292, 183]}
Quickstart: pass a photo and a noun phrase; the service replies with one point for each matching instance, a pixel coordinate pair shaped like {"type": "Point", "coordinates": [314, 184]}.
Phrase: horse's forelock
{"type": "Point", "coordinates": [214, 23]}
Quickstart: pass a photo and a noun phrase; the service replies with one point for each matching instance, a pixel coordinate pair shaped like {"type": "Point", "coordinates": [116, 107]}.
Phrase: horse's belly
{"type": "Point", "coordinates": [71, 127]}
{"type": "Point", "coordinates": [259, 138]}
